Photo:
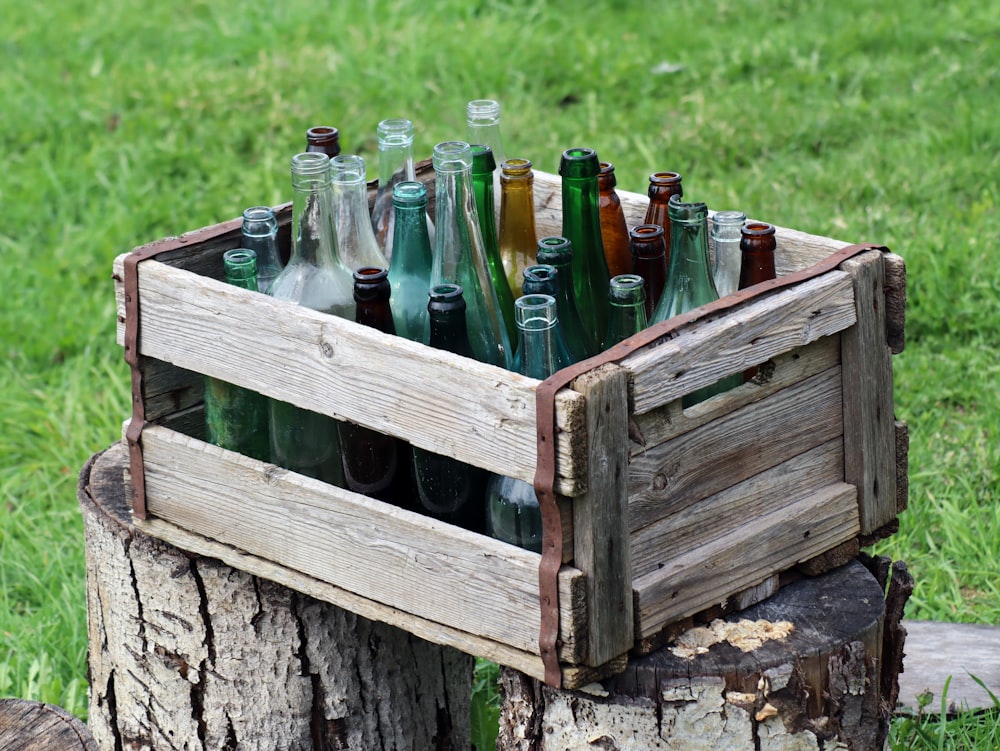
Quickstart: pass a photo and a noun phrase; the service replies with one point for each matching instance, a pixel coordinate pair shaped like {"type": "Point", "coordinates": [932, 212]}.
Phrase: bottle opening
{"type": "Point", "coordinates": [395, 132]}
{"type": "Point", "coordinates": [482, 112]}
{"type": "Point", "coordinates": [535, 312]}
{"type": "Point", "coordinates": [240, 263]}
{"type": "Point", "coordinates": [646, 231]}
{"type": "Point", "coordinates": [452, 156]}
{"type": "Point", "coordinates": [310, 163]}
{"type": "Point", "coordinates": [409, 191]}
{"type": "Point", "coordinates": [664, 178]}
{"type": "Point", "coordinates": [348, 169]}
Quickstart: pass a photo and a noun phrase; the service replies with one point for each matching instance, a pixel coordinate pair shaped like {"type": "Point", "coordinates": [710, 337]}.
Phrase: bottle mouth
{"type": "Point", "coordinates": [686, 211]}
{"type": "Point", "coordinates": [664, 178]}
{"type": "Point", "coordinates": [259, 220]}
{"type": "Point", "coordinates": [482, 112]}
{"type": "Point", "coordinates": [409, 192]}
{"type": "Point", "coordinates": [395, 132]}
{"type": "Point", "coordinates": [535, 312]}
{"type": "Point", "coordinates": [310, 163]}
{"type": "Point", "coordinates": [240, 263]}
{"type": "Point", "coordinates": [482, 158]}
{"type": "Point", "coordinates": [323, 133]}
{"type": "Point", "coordinates": [542, 272]}
{"type": "Point", "coordinates": [579, 161]}
{"type": "Point", "coordinates": [445, 298]}
{"type": "Point", "coordinates": [627, 288]}
{"type": "Point", "coordinates": [758, 229]}
{"type": "Point", "coordinates": [348, 169]}
{"type": "Point", "coordinates": [452, 156]}
{"type": "Point", "coordinates": [645, 232]}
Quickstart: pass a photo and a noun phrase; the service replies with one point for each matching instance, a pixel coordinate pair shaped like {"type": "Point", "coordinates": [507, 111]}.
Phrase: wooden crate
{"type": "Point", "coordinates": [663, 512]}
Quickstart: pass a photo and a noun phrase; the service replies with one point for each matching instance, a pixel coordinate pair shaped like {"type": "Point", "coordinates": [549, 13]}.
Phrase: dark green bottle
{"type": "Point", "coordinates": [410, 267]}
{"type": "Point", "coordinates": [235, 417]}
{"type": "Point", "coordinates": [558, 252]}
{"type": "Point", "coordinates": [448, 489]}
{"type": "Point", "coordinates": [627, 314]}
{"type": "Point", "coordinates": [581, 224]}
{"type": "Point", "coordinates": [542, 279]}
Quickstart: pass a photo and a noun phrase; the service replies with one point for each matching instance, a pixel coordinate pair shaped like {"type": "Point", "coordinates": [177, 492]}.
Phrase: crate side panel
{"type": "Point", "coordinates": [682, 471]}
{"type": "Point", "coordinates": [413, 563]}
{"type": "Point", "coordinates": [765, 545]}
{"type": "Point", "coordinates": [694, 525]}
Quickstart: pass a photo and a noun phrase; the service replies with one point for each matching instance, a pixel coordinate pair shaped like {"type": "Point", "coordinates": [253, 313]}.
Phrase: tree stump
{"type": "Point", "coordinates": [802, 670]}
{"type": "Point", "coordinates": [33, 726]}
{"type": "Point", "coordinates": [189, 653]}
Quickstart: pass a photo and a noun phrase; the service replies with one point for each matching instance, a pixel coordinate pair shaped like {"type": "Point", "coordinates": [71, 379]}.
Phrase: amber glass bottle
{"type": "Point", "coordinates": [614, 230]}
{"type": "Point", "coordinates": [324, 139]}
{"type": "Point", "coordinates": [662, 185]}
{"type": "Point", "coordinates": [518, 236]}
{"type": "Point", "coordinates": [757, 245]}
{"type": "Point", "coordinates": [649, 260]}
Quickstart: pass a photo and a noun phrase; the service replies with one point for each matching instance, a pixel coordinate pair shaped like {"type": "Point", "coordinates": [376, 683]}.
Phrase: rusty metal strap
{"type": "Point", "coordinates": [545, 472]}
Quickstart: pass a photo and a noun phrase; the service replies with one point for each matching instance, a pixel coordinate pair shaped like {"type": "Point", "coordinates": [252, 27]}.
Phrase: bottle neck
{"type": "Point", "coordinates": [314, 239]}
{"type": "Point", "coordinates": [411, 241]}
{"type": "Point", "coordinates": [536, 331]}
{"type": "Point", "coordinates": [446, 315]}
{"type": "Point", "coordinates": [395, 161]}
{"type": "Point", "coordinates": [240, 266]}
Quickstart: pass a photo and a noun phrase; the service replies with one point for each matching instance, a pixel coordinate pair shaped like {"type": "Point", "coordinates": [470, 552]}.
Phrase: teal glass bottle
{"type": "Point", "coordinates": [627, 314]}
{"type": "Point", "coordinates": [395, 165]}
{"type": "Point", "coordinates": [580, 169]}
{"type": "Point", "coordinates": [512, 506]}
{"type": "Point", "coordinates": [304, 441]}
{"type": "Point", "coordinates": [260, 234]}
{"type": "Point", "coordinates": [558, 252]}
{"type": "Point", "coordinates": [483, 169]}
{"type": "Point", "coordinates": [726, 226]}
{"type": "Point", "coordinates": [410, 268]}
{"type": "Point", "coordinates": [448, 489]}
{"type": "Point", "coordinates": [355, 237]}
{"type": "Point", "coordinates": [542, 279]}
{"type": "Point", "coordinates": [689, 277]}
{"type": "Point", "coordinates": [460, 253]}
{"type": "Point", "coordinates": [236, 418]}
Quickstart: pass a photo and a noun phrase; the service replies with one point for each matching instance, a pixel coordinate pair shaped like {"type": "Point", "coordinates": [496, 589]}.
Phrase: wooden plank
{"type": "Point", "coordinates": [895, 301]}
{"type": "Point", "coordinates": [329, 365]}
{"type": "Point", "coordinates": [666, 479]}
{"type": "Point", "coordinates": [770, 543]}
{"type": "Point", "coordinates": [167, 388]}
{"type": "Point", "coordinates": [706, 351]}
{"type": "Point", "coordinates": [416, 564]}
{"type": "Point", "coordinates": [902, 431]}
{"type": "Point", "coordinates": [687, 526]}
{"type": "Point", "coordinates": [869, 427]}
{"type": "Point", "coordinates": [600, 516]}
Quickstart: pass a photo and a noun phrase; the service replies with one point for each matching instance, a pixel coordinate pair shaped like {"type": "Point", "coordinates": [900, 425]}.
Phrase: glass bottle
{"type": "Point", "coordinates": [726, 239]}
{"type": "Point", "coordinates": [460, 254]}
{"type": "Point", "coordinates": [448, 489]}
{"type": "Point", "coordinates": [482, 125]}
{"type": "Point", "coordinates": [324, 139]}
{"type": "Point", "coordinates": [627, 315]}
{"type": "Point", "coordinates": [260, 234]}
{"type": "Point", "coordinates": [410, 269]}
{"type": "Point", "coordinates": [649, 260]}
{"type": "Point", "coordinates": [757, 246]}
{"type": "Point", "coordinates": [375, 464]}
{"type": "Point", "coordinates": [689, 278]}
{"type": "Point", "coordinates": [483, 169]}
{"type": "Point", "coordinates": [542, 279]}
{"type": "Point", "coordinates": [513, 513]}
{"type": "Point", "coordinates": [518, 236]}
{"type": "Point", "coordinates": [395, 164]}
{"type": "Point", "coordinates": [304, 441]}
{"type": "Point", "coordinates": [355, 237]}
{"type": "Point", "coordinates": [581, 224]}
{"type": "Point", "coordinates": [614, 230]}
{"type": "Point", "coordinates": [558, 252]}
{"type": "Point", "coordinates": [236, 417]}
{"type": "Point", "coordinates": [662, 185]}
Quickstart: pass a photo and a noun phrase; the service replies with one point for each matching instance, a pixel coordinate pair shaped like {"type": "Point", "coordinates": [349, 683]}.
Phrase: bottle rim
{"type": "Point", "coordinates": [348, 169]}
{"type": "Point", "coordinates": [394, 131]}
{"type": "Point", "coordinates": [646, 232]}
{"type": "Point", "coordinates": [686, 211]}
{"type": "Point", "coordinates": [311, 163]}
{"type": "Point", "coordinates": [259, 221]}
{"type": "Point", "coordinates": [579, 162]}
{"type": "Point", "coordinates": [483, 161]}
{"type": "Point", "coordinates": [516, 168]}
{"type": "Point", "coordinates": [322, 134]}
{"type": "Point", "coordinates": [240, 263]}
{"type": "Point", "coordinates": [452, 156]}
{"type": "Point", "coordinates": [664, 178]}
{"type": "Point", "coordinates": [409, 192]}
{"type": "Point", "coordinates": [482, 112]}
{"type": "Point", "coordinates": [758, 229]}
{"type": "Point", "coordinates": [535, 312]}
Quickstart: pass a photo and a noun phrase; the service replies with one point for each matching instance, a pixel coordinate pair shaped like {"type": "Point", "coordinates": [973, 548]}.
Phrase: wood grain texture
{"type": "Point", "coordinates": [34, 726]}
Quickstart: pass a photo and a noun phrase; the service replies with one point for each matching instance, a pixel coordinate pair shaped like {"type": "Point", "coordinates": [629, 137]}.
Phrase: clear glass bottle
{"type": "Point", "coordinates": [235, 417]}
{"type": "Point", "coordinates": [628, 308]}
{"type": "Point", "coordinates": [448, 489]}
{"type": "Point", "coordinates": [557, 251]}
{"type": "Point", "coordinates": [482, 125]}
{"type": "Point", "coordinates": [355, 237]}
{"type": "Point", "coordinates": [460, 253]}
{"type": "Point", "coordinates": [395, 164]}
{"type": "Point", "coordinates": [483, 169]}
{"type": "Point", "coordinates": [614, 230]}
{"type": "Point", "coordinates": [260, 234]}
{"type": "Point", "coordinates": [689, 278]}
{"type": "Point", "coordinates": [518, 236]}
{"type": "Point", "coordinates": [726, 227]}
{"type": "Point", "coordinates": [649, 260]}
{"type": "Point", "coordinates": [662, 185]}
{"type": "Point", "coordinates": [304, 441]}
{"type": "Point", "coordinates": [542, 279]}
{"type": "Point", "coordinates": [581, 224]}
{"type": "Point", "coordinates": [323, 139]}
{"type": "Point", "coordinates": [410, 269]}
{"type": "Point", "coordinates": [514, 515]}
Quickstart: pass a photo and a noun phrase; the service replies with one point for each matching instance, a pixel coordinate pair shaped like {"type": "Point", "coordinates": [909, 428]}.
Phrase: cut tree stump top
{"type": "Point", "coordinates": [33, 726]}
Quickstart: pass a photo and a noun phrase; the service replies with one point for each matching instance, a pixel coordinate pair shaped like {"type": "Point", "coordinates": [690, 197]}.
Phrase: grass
{"type": "Point", "coordinates": [124, 122]}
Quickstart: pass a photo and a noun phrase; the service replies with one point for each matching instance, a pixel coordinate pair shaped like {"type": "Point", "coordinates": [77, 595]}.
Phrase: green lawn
{"type": "Point", "coordinates": [125, 121]}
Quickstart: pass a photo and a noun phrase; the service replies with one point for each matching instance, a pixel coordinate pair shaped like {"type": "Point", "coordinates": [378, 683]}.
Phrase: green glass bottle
{"type": "Point", "coordinates": [558, 252]}
{"type": "Point", "coordinates": [542, 279]}
{"type": "Point", "coordinates": [355, 238]}
{"type": "Point", "coordinates": [460, 253]}
{"type": "Point", "coordinates": [518, 237]}
{"type": "Point", "coordinates": [581, 224]}
{"type": "Point", "coordinates": [235, 417]}
{"type": "Point", "coordinates": [627, 314]}
{"type": "Point", "coordinates": [726, 262]}
{"type": "Point", "coordinates": [483, 168]}
{"type": "Point", "coordinates": [260, 234]}
{"type": "Point", "coordinates": [304, 441]}
{"type": "Point", "coordinates": [689, 277]}
{"type": "Point", "coordinates": [448, 489]}
{"type": "Point", "coordinates": [513, 512]}
{"type": "Point", "coordinates": [395, 164]}
{"type": "Point", "coordinates": [410, 268]}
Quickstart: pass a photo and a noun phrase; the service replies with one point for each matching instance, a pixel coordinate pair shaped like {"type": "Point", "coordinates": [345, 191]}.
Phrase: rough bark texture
{"type": "Point", "coordinates": [801, 671]}
{"type": "Point", "coordinates": [33, 726]}
{"type": "Point", "coordinates": [187, 653]}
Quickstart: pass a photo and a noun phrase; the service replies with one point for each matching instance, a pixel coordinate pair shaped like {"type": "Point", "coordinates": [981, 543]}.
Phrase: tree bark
{"type": "Point", "coordinates": [187, 653]}
{"type": "Point", "coordinates": [802, 670]}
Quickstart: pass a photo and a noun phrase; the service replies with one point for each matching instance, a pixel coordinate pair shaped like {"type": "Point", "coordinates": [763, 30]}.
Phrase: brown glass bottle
{"type": "Point", "coordinates": [614, 230]}
{"type": "Point", "coordinates": [757, 244]}
{"type": "Point", "coordinates": [518, 236]}
{"type": "Point", "coordinates": [649, 260]}
{"type": "Point", "coordinates": [662, 185]}
{"type": "Point", "coordinates": [376, 465]}
{"type": "Point", "coordinates": [323, 138]}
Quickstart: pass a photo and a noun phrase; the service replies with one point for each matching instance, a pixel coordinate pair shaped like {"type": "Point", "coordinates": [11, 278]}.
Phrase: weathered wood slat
{"type": "Point", "coordinates": [770, 542]}
{"type": "Point", "coordinates": [869, 427]}
{"type": "Point", "coordinates": [708, 350]}
{"type": "Point", "coordinates": [664, 479]}
{"type": "Point", "coordinates": [33, 726]}
{"type": "Point", "coordinates": [421, 566]}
